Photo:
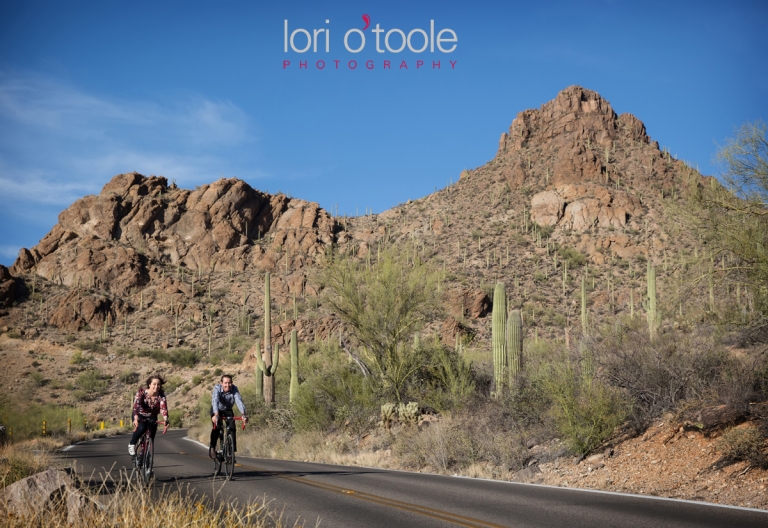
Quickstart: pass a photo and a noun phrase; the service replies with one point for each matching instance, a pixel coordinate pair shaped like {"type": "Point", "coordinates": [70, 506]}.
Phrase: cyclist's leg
{"type": "Point", "coordinates": [153, 429]}
{"type": "Point", "coordinates": [136, 436]}
{"type": "Point", "coordinates": [234, 435]}
{"type": "Point", "coordinates": [215, 435]}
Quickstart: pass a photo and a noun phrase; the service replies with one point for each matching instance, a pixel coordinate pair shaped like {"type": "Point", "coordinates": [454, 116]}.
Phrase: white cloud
{"type": "Point", "coordinates": [8, 253]}
{"type": "Point", "coordinates": [60, 142]}
{"type": "Point", "coordinates": [35, 101]}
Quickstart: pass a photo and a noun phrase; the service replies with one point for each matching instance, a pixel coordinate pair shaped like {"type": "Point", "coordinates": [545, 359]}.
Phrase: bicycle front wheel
{"type": "Point", "coordinates": [146, 469]}
{"type": "Point", "coordinates": [229, 456]}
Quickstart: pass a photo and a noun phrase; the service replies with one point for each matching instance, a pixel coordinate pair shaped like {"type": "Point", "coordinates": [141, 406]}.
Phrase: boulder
{"type": "Point", "coordinates": [7, 287]}
{"type": "Point", "coordinates": [466, 302]}
{"type": "Point", "coordinates": [51, 490]}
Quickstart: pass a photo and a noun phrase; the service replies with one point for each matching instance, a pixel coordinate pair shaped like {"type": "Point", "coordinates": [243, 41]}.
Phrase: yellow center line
{"type": "Point", "coordinates": [426, 511]}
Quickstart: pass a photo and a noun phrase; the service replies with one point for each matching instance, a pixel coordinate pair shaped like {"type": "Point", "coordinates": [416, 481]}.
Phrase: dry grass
{"type": "Point", "coordinates": [20, 461]}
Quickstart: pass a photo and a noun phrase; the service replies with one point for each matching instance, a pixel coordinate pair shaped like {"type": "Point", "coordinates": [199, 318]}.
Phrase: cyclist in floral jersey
{"type": "Point", "coordinates": [147, 404]}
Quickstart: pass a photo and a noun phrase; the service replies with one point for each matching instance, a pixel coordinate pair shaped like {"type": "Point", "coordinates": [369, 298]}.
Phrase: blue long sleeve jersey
{"type": "Point", "coordinates": [225, 401]}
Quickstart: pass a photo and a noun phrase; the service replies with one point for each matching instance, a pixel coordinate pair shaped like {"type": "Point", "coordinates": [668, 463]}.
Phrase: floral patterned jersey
{"type": "Point", "coordinates": [145, 407]}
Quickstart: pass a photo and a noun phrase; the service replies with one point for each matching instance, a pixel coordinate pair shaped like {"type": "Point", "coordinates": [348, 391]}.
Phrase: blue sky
{"type": "Point", "coordinates": [197, 90]}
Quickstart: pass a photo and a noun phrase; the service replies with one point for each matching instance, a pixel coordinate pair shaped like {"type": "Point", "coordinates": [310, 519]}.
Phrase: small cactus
{"type": "Point", "coordinates": [388, 414]}
{"type": "Point", "coordinates": [408, 413]}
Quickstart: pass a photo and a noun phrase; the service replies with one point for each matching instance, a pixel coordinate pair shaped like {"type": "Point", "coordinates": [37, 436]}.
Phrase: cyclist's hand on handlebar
{"type": "Point", "coordinates": [215, 420]}
{"type": "Point", "coordinates": [135, 423]}
{"type": "Point", "coordinates": [165, 429]}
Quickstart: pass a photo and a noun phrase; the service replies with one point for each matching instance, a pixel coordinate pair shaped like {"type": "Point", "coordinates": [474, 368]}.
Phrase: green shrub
{"type": "Point", "coordinates": [171, 384]}
{"type": "Point", "coordinates": [176, 418]}
{"type": "Point", "coordinates": [183, 357]}
{"type": "Point", "coordinates": [129, 377]}
{"type": "Point", "coordinates": [743, 443]}
{"type": "Point", "coordinates": [585, 411]}
{"type": "Point", "coordinates": [28, 422]}
{"type": "Point", "coordinates": [197, 379]}
{"type": "Point", "coordinates": [204, 408]}
{"type": "Point", "coordinates": [38, 380]}
{"type": "Point", "coordinates": [90, 346]}
{"type": "Point", "coordinates": [92, 382]}
{"type": "Point", "coordinates": [574, 258]}
{"type": "Point", "coordinates": [78, 358]}
{"type": "Point", "coordinates": [14, 334]}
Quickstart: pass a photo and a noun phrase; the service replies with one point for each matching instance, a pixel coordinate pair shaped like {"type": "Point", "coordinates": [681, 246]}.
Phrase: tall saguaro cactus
{"type": "Point", "coordinates": [584, 320]}
{"type": "Point", "coordinates": [514, 344]}
{"type": "Point", "coordinates": [294, 391]}
{"type": "Point", "coordinates": [498, 331]}
{"type": "Point", "coordinates": [268, 363]}
{"type": "Point", "coordinates": [650, 304]}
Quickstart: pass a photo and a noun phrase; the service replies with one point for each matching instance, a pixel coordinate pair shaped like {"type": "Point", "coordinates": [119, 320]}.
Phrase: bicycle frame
{"type": "Point", "coordinates": [226, 452]}
{"type": "Point", "coordinates": [145, 454]}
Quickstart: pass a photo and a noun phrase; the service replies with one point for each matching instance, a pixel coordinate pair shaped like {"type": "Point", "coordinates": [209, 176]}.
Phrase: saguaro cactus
{"type": "Point", "coordinates": [650, 304]}
{"type": "Point", "coordinates": [294, 391]}
{"type": "Point", "coordinates": [514, 344]}
{"type": "Point", "coordinates": [584, 321]}
{"type": "Point", "coordinates": [268, 363]}
{"type": "Point", "coordinates": [498, 330]}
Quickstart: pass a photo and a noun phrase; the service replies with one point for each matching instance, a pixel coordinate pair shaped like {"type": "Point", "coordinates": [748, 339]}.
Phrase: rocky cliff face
{"type": "Point", "coordinates": [123, 239]}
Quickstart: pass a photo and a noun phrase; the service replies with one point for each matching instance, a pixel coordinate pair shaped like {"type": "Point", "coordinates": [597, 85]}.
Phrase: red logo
{"type": "Point", "coordinates": [367, 21]}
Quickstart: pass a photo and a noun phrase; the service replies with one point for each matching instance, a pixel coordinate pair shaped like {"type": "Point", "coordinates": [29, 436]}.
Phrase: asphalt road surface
{"type": "Point", "coordinates": [339, 496]}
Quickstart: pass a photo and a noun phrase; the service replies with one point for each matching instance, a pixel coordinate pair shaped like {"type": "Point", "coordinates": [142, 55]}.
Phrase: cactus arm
{"type": "Point", "coordinates": [515, 344]}
{"type": "Point", "coordinates": [275, 360]}
{"type": "Point", "coordinates": [259, 359]}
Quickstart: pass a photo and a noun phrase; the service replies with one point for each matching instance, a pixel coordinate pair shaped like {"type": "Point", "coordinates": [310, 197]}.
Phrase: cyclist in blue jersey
{"type": "Point", "coordinates": [225, 396]}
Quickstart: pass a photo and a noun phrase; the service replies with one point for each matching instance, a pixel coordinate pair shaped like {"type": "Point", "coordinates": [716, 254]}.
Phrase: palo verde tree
{"type": "Point", "coordinates": [732, 217]}
{"type": "Point", "coordinates": [384, 303]}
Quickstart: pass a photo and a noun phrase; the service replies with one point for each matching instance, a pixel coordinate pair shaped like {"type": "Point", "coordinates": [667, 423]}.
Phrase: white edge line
{"type": "Point", "coordinates": [621, 494]}
{"type": "Point", "coordinates": [196, 442]}
{"type": "Point", "coordinates": [70, 446]}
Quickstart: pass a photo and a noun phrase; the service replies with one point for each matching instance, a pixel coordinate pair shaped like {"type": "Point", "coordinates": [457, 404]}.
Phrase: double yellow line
{"type": "Point", "coordinates": [433, 513]}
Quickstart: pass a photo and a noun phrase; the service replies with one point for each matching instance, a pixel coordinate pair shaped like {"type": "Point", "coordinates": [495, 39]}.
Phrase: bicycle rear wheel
{"type": "Point", "coordinates": [229, 456]}
{"type": "Point", "coordinates": [149, 455]}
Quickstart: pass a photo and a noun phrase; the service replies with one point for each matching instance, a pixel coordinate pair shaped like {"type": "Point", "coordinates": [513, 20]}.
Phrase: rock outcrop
{"type": "Point", "coordinates": [30, 498]}
{"type": "Point", "coordinates": [116, 240]}
{"type": "Point", "coordinates": [582, 206]}
{"type": "Point", "coordinates": [7, 287]}
{"type": "Point", "coordinates": [121, 240]}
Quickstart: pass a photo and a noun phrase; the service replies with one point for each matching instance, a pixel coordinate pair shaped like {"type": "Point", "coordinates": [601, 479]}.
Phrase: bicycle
{"type": "Point", "coordinates": [225, 454]}
{"type": "Point", "coordinates": [143, 460]}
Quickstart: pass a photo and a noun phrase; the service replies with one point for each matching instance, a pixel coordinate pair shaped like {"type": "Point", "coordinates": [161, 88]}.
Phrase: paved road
{"type": "Point", "coordinates": [339, 496]}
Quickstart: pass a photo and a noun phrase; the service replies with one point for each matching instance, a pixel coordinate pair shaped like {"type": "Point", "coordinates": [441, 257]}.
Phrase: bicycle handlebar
{"type": "Point", "coordinates": [164, 423]}
{"type": "Point", "coordinates": [237, 418]}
